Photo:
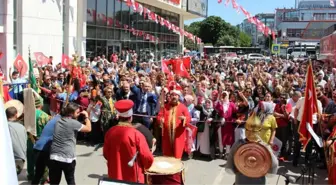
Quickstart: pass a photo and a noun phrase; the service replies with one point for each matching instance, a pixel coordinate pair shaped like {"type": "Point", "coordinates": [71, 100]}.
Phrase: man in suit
{"type": "Point", "coordinates": [128, 92]}
{"type": "Point", "coordinates": [147, 105]}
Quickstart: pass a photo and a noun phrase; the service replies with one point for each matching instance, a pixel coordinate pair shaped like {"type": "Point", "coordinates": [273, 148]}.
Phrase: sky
{"type": "Point", "coordinates": [253, 6]}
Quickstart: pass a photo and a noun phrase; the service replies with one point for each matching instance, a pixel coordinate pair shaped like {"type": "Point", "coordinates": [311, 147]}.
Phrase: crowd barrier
{"type": "Point", "coordinates": [16, 90]}
{"type": "Point", "coordinates": [15, 93]}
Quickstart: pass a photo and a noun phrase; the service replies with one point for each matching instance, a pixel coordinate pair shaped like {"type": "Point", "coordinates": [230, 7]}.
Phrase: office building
{"type": "Point", "coordinates": [91, 27]}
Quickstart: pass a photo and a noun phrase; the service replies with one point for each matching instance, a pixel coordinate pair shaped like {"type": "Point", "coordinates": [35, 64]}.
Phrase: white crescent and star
{"type": "Point", "coordinates": [39, 58]}
{"type": "Point", "coordinates": [18, 62]}
{"type": "Point", "coordinates": [181, 66]}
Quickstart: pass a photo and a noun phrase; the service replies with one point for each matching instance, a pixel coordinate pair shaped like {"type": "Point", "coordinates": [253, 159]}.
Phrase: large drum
{"type": "Point", "coordinates": [166, 170]}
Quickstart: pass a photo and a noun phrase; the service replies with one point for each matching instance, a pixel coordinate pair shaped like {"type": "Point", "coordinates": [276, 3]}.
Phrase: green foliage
{"type": "Point", "coordinates": [244, 40]}
{"type": "Point", "coordinates": [215, 31]}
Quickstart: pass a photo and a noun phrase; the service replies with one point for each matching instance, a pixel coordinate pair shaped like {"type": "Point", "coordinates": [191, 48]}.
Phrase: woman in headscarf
{"type": "Point", "coordinates": [206, 129]}
{"type": "Point", "coordinates": [226, 110]}
{"type": "Point", "coordinates": [195, 117]}
{"type": "Point", "coordinates": [268, 121]}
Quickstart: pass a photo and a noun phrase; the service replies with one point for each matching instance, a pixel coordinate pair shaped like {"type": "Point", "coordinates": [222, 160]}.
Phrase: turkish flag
{"type": "Point", "coordinates": [20, 65]}
{"type": "Point", "coordinates": [1, 54]}
{"type": "Point", "coordinates": [273, 35]}
{"type": "Point", "coordinates": [164, 67]}
{"type": "Point", "coordinates": [186, 62]}
{"type": "Point", "coordinates": [310, 107]}
{"type": "Point", "coordinates": [179, 69]}
{"type": "Point", "coordinates": [65, 61]}
{"type": "Point", "coordinates": [41, 59]}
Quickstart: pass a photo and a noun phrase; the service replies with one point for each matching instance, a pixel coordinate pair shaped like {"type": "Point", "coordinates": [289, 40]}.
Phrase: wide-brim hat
{"type": "Point", "coordinates": [17, 104]}
{"type": "Point", "coordinates": [124, 108]}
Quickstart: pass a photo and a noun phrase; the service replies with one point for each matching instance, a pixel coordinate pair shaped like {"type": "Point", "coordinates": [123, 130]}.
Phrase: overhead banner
{"type": "Point", "coordinates": [198, 7]}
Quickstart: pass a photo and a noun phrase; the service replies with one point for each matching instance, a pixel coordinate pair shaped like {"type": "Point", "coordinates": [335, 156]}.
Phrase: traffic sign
{"type": "Point", "coordinates": [276, 48]}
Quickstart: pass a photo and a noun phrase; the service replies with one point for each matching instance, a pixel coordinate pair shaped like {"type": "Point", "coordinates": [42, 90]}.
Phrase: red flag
{"type": "Point", "coordinates": [186, 62]}
{"type": "Point", "coordinates": [273, 35]}
{"type": "Point", "coordinates": [41, 59]}
{"type": "Point", "coordinates": [65, 61]}
{"type": "Point", "coordinates": [20, 65]}
{"type": "Point", "coordinates": [1, 54]}
{"type": "Point", "coordinates": [310, 107]}
{"type": "Point", "coordinates": [164, 67]}
{"type": "Point", "coordinates": [179, 69]}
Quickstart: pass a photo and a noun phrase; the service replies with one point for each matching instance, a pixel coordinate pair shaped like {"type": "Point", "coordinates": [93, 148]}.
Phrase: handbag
{"type": "Point", "coordinates": [200, 126]}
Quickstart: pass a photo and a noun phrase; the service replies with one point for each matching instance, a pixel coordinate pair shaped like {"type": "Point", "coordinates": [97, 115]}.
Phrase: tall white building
{"type": "Point", "coordinates": [305, 24]}
{"type": "Point", "coordinates": [55, 27]}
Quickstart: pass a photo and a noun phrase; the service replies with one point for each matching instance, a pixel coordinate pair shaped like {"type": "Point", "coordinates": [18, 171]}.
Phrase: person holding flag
{"type": "Point", "coordinates": [306, 112]}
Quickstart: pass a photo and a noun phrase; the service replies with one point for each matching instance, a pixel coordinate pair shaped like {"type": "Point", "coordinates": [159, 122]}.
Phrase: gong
{"type": "Point", "coordinates": [253, 160]}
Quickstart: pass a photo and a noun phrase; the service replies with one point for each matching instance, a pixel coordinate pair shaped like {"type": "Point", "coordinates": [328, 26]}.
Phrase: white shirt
{"type": "Point", "coordinates": [293, 104]}
{"type": "Point", "coordinates": [300, 106]}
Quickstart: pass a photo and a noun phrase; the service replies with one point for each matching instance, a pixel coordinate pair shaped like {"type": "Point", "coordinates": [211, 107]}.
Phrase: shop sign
{"type": "Point", "coordinates": [198, 7]}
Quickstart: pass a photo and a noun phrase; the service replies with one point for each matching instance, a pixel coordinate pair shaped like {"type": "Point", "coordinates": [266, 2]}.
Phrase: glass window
{"type": "Point", "coordinates": [133, 19]}
{"type": "Point", "coordinates": [125, 35]}
{"type": "Point", "coordinates": [110, 34]}
{"type": "Point", "coordinates": [101, 47]}
{"type": "Point", "coordinates": [101, 33]}
{"type": "Point", "coordinates": [101, 12]}
{"type": "Point", "coordinates": [91, 11]}
{"type": "Point", "coordinates": [117, 34]}
{"type": "Point", "coordinates": [110, 12]}
{"type": "Point", "coordinates": [90, 48]}
{"type": "Point", "coordinates": [91, 32]}
{"type": "Point", "coordinates": [125, 14]}
{"type": "Point", "coordinates": [117, 15]}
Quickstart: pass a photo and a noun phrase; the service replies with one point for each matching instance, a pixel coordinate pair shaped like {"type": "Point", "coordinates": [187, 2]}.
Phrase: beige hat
{"type": "Point", "coordinates": [17, 104]}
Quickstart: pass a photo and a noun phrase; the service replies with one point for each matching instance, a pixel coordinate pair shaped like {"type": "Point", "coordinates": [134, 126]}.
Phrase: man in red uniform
{"type": "Point", "coordinates": [122, 143]}
{"type": "Point", "coordinates": [174, 118]}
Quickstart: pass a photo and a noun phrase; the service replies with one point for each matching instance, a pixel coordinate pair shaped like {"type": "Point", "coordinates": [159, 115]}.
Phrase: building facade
{"type": "Point", "coordinates": [258, 38]}
{"type": "Point", "coordinates": [90, 27]}
{"type": "Point", "coordinates": [305, 24]}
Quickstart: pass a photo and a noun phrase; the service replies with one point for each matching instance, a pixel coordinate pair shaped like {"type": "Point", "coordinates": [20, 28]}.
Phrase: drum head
{"type": "Point", "coordinates": [17, 104]}
{"type": "Point", "coordinates": [165, 166]}
{"type": "Point", "coordinates": [253, 160]}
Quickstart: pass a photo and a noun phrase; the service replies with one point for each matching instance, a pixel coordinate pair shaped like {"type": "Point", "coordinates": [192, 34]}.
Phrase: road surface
{"type": "Point", "coordinates": [91, 166]}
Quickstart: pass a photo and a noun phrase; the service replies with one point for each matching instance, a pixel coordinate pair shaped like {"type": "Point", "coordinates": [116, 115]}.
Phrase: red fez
{"type": "Point", "coordinates": [124, 108]}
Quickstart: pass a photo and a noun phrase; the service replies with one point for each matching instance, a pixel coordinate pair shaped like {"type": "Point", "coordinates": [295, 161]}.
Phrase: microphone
{"type": "Point", "coordinates": [131, 162]}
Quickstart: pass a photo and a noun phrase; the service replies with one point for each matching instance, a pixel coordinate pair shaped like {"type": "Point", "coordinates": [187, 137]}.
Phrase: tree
{"type": "Point", "coordinates": [211, 29]}
{"type": "Point", "coordinates": [189, 44]}
{"type": "Point", "coordinates": [193, 28]}
{"type": "Point", "coordinates": [244, 40]}
{"type": "Point", "coordinates": [226, 40]}
{"type": "Point", "coordinates": [216, 31]}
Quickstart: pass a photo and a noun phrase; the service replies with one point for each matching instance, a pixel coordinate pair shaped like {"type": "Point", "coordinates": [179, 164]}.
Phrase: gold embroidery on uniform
{"type": "Point", "coordinates": [124, 124]}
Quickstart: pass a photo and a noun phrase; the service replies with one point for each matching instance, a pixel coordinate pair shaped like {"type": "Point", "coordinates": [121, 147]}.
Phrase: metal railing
{"type": "Point", "coordinates": [16, 90]}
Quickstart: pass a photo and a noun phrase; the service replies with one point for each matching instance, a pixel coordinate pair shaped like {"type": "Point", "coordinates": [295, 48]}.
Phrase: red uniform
{"type": "Point", "coordinates": [332, 159]}
{"type": "Point", "coordinates": [174, 134]}
{"type": "Point", "coordinates": [121, 144]}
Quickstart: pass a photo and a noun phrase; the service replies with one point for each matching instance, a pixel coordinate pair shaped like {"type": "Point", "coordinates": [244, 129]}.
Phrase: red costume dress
{"type": "Point", "coordinates": [174, 129]}
{"type": "Point", "coordinates": [332, 159]}
{"type": "Point", "coordinates": [173, 138]}
{"type": "Point", "coordinates": [121, 144]}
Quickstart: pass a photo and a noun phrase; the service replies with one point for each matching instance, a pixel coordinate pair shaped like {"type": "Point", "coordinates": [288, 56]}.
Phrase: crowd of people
{"type": "Point", "coordinates": [202, 115]}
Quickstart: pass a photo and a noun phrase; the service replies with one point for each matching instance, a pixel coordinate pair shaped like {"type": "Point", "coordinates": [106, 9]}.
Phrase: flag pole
{"type": "Point", "coordinates": [73, 66]}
